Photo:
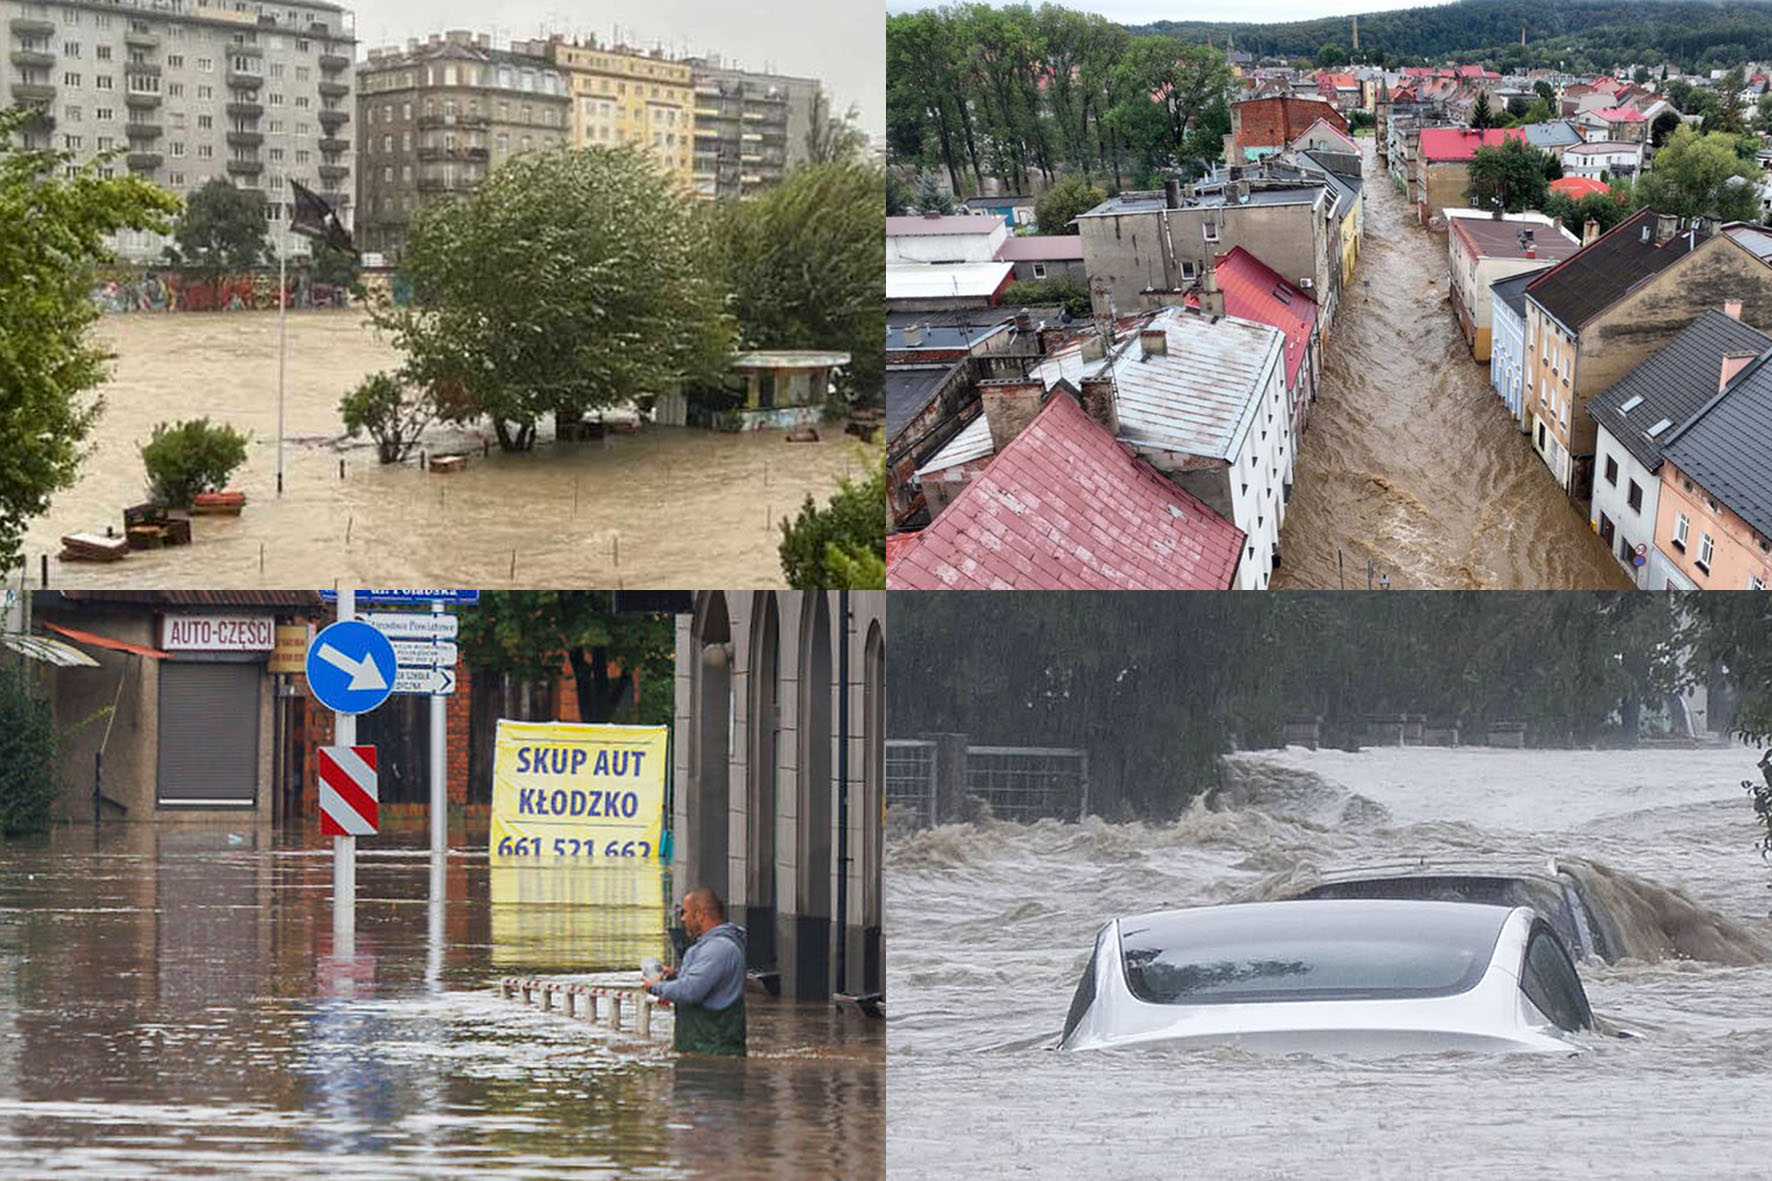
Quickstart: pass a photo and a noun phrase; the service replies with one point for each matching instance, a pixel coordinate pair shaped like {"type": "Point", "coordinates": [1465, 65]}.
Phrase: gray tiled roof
{"type": "Point", "coordinates": [1676, 382]}
{"type": "Point", "coordinates": [1727, 446]}
{"type": "Point", "coordinates": [1512, 290]}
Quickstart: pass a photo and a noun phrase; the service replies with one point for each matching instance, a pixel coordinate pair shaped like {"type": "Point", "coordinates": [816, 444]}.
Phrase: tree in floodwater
{"type": "Point", "coordinates": [568, 281]}
{"type": "Point", "coordinates": [53, 226]}
{"type": "Point", "coordinates": [28, 746]}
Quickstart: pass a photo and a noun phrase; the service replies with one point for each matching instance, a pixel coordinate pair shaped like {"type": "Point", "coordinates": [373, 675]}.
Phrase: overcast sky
{"type": "Point", "coordinates": [1139, 12]}
{"type": "Point", "coordinates": [841, 42]}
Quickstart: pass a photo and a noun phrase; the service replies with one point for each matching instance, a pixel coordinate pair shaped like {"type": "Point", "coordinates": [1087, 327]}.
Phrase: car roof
{"type": "Point", "coordinates": [1467, 923]}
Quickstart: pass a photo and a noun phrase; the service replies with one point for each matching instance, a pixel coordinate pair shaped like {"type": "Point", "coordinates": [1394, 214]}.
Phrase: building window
{"type": "Point", "coordinates": [1612, 471]}
{"type": "Point", "coordinates": [1210, 231]}
{"type": "Point", "coordinates": [1682, 528]}
{"type": "Point", "coordinates": [1706, 547]}
{"type": "Point", "coordinates": [1635, 497]}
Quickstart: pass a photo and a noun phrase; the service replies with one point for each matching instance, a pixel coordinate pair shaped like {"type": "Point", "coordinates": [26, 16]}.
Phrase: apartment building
{"type": "Point", "coordinates": [750, 128]}
{"type": "Point", "coordinates": [438, 116]}
{"type": "Point", "coordinates": [624, 96]}
{"type": "Point", "coordinates": [188, 91]}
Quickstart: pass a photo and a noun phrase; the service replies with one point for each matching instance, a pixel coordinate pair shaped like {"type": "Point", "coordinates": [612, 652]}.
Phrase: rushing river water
{"type": "Point", "coordinates": [1410, 459]}
{"type": "Point", "coordinates": [169, 1005]}
{"type": "Point", "coordinates": [666, 507]}
{"type": "Point", "coordinates": [992, 923]}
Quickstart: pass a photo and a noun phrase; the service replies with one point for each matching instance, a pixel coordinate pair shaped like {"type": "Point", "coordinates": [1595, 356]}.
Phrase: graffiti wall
{"type": "Point", "coordinates": [165, 290]}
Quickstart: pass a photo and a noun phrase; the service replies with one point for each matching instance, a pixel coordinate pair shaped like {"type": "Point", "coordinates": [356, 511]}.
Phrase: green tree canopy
{"type": "Point", "coordinates": [1701, 175]}
{"type": "Point", "coordinates": [1665, 125]}
{"type": "Point", "coordinates": [1605, 208]}
{"type": "Point", "coordinates": [842, 544]}
{"type": "Point", "coordinates": [1331, 56]}
{"type": "Point", "coordinates": [1065, 290]}
{"type": "Point", "coordinates": [1064, 201]}
{"type": "Point", "coordinates": [222, 229]}
{"type": "Point", "coordinates": [526, 633]}
{"type": "Point", "coordinates": [1513, 177]}
{"type": "Point", "coordinates": [53, 227]}
{"type": "Point", "coordinates": [1482, 114]}
{"type": "Point", "coordinates": [567, 281]}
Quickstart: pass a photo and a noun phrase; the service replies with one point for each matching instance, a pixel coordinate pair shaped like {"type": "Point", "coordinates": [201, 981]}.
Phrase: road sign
{"type": "Point", "coordinates": [348, 801]}
{"type": "Point", "coordinates": [425, 653]}
{"type": "Point", "coordinates": [460, 597]}
{"type": "Point", "coordinates": [436, 681]}
{"type": "Point", "coordinates": [415, 627]}
{"type": "Point", "coordinates": [350, 667]}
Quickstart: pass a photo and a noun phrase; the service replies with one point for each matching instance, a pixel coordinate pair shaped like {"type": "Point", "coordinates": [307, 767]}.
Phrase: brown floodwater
{"type": "Point", "coordinates": [170, 1005]}
{"type": "Point", "coordinates": [668, 506]}
{"type": "Point", "coordinates": [1410, 459]}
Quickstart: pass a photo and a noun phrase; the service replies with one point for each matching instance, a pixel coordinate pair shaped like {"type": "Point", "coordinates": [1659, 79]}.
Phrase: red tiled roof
{"type": "Point", "coordinates": [948, 223]}
{"type": "Point", "coordinates": [1065, 507]}
{"type": "Point", "coordinates": [1459, 143]}
{"type": "Point", "coordinates": [1620, 115]}
{"type": "Point", "coordinates": [1254, 291]}
{"type": "Point", "coordinates": [1042, 248]}
{"type": "Point", "coordinates": [1579, 186]}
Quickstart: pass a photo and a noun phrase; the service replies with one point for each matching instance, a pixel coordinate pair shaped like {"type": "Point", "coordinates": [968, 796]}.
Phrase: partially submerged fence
{"type": "Point", "coordinates": [940, 778]}
{"type": "Point", "coordinates": [597, 1004]}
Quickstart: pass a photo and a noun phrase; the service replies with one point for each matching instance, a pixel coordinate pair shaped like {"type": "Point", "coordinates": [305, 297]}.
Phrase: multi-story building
{"type": "Point", "coordinates": [750, 128]}
{"type": "Point", "coordinates": [437, 117]}
{"type": "Point", "coordinates": [623, 96]}
{"type": "Point", "coordinates": [253, 93]}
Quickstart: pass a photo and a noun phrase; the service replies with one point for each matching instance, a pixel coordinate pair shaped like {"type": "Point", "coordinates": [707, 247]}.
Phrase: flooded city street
{"type": "Point", "coordinates": [1410, 459]}
{"type": "Point", "coordinates": [170, 1005]}
{"type": "Point", "coordinates": [666, 506]}
{"type": "Point", "coordinates": [991, 924]}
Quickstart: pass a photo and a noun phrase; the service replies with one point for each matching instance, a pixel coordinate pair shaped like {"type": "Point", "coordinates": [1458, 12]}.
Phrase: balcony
{"type": "Point", "coordinates": [144, 131]}
{"type": "Point", "coordinates": [246, 49]}
{"type": "Point", "coordinates": [246, 167]}
{"type": "Point", "coordinates": [334, 89]}
{"type": "Point", "coordinates": [32, 59]}
{"type": "Point", "coordinates": [332, 146]}
{"type": "Point", "coordinates": [429, 152]}
{"type": "Point", "coordinates": [479, 153]}
{"type": "Point", "coordinates": [142, 100]}
{"type": "Point", "coordinates": [245, 139]}
{"type": "Point", "coordinates": [145, 161]}
{"type": "Point", "coordinates": [25, 26]}
{"type": "Point", "coordinates": [33, 92]}
{"type": "Point", "coordinates": [331, 121]}
{"type": "Point", "coordinates": [332, 63]}
{"type": "Point", "coordinates": [432, 184]}
{"type": "Point", "coordinates": [141, 69]}
{"type": "Point", "coordinates": [334, 171]}
{"type": "Point", "coordinates": [240, 110]}
{"type": "Point", "coordinates": [242, 80]}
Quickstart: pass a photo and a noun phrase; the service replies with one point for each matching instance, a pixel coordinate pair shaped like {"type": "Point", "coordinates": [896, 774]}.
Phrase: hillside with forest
{"type": "Point", "coordinates": [1576, 34]}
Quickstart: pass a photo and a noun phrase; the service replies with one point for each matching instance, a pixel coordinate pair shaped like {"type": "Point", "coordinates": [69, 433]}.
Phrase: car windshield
{"type": "Point", "coordinates": [1308, 951]}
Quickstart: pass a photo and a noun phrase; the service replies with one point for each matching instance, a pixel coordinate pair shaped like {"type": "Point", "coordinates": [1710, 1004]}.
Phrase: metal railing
{"type": "Point", "coordinates": [1019, 783]}
{"type": "Point", "coordinates": [910, 778]}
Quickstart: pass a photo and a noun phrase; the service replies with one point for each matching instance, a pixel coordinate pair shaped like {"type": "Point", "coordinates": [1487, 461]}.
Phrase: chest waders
{"type": "Point", "coordinates": [710, 1031]}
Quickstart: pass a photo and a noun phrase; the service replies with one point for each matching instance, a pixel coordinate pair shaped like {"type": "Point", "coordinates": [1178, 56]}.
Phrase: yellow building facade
{"type": "Point", "coordinates": [623, 97]}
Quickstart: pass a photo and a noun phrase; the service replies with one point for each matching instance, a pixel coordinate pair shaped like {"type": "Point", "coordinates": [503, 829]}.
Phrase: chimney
{"type": "Point", "coordinates": [1008, 407]}
{"type": "Point", "coordinates": [1733, 363]}
{"type": "Point", "coordinates": [1666, 226]}
{"type": "Point", "coordinates": [1211, 298]}
{"type": "Point", "coordinates": [1098, 402]}
{"type": "Point", "coordinates": [1172, 193]}
{"type": "Point", "coordinates": [1024, 323]}
{"type": "Point", "coordinates": [1590, 232]}
{"type": "Point", "coordinates": [1092, 348]}
{"type": "Point", "coordinates": [1732, 308]}
{"type": "Point", "coordinates": [1154, 342]}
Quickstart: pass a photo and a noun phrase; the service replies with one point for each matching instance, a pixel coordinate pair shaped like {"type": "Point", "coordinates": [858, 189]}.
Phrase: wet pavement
{"type": "Point", "coordinates": [669, 506]}
{"type": "Point", "coordinates": [170, 1005]}
{"type": "Point", "coordinates": [1410, 459]}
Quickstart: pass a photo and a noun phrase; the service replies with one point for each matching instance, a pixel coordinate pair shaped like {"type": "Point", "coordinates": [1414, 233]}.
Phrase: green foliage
{"type": "Point", "coordinates": [567, 281]}
{"type": "Point", "coordinates": [1331, 56]}
{"type": "Point", "coordinates": [899, 197]}
{"type": "Point", "coordinates": [931, 197]}
{"type": "Point", "coordinates": [222, 229]}
{"type": "Point", "coordinates": [1482, 115]}
{"type": "Point", "coordinates": [803, 263]}
{"type": "Point", "coordinates": [1514, 176]}
{"type": "Point", "coordinates": [394, 413]}
{"type": "Point", "coordinates": [837, 139]}
{"type": "Point", "coordinates": [186, 458]}
{"type": "Point", "coordinates": [1065, 290]}
{"type": "Point", "coordinates": [1606, 209]}
{"type": "Point", "coordinates": [1727, 115]}
{"type": "Point", "coordinates": [1546, 93]}
{"type": "Point", "coordinates": [334, 267]}
{"type": "Point", "coordinates": [853, 524]}
{"type": "Point", "coordinates": [1064, 201]}
{"type": "Point", "coordinates": [28, 747]}
{"type": "Point", "coordinates": [52, 229]}
{"type": "Point", "coordinates": [1700, 175]}
{"type": "Point", "coordinates": [1665, 125]}
{"type": "Point", "coordinates": [526, 633]}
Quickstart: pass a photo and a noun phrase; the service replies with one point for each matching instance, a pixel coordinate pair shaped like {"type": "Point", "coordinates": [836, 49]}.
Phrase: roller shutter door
{"type": "Point", "coordinates": [209, 734]}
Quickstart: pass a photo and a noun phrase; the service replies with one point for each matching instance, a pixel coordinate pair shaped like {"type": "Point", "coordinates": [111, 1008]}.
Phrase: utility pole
{"type": "Point", "coordinates": [344, 847]}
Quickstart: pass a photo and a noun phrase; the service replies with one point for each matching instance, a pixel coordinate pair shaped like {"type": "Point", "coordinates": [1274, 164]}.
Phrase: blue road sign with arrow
{"type": "Point", "coordinates": [351, 667]}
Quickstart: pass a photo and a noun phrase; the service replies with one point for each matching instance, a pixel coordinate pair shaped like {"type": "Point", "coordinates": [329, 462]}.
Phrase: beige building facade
{"type": "Point", "coordinates": [621, 96]}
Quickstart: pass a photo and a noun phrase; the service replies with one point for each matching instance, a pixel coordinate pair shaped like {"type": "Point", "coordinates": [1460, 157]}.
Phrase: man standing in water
{"type": "Point", "coordinates": [708, 990]}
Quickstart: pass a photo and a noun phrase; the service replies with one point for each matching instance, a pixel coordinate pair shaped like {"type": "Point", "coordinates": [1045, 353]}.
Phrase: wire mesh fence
{"type": "Point", "coordinates": [1020, 783]}
{"type": "Point", "coordinates": [910, 779]}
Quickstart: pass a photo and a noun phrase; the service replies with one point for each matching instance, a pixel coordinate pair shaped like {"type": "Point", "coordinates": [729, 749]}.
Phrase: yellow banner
{"type": "Point", "coordinates": [581, 918]}
{"type": "Point", "coordinates": [577, 793]}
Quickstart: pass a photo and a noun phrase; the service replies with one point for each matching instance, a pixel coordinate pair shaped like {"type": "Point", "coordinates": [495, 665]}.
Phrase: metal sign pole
{"type": "Point", "coordinates": [439, 766]}
{"type": "Point", "coordinates": [344, 848]}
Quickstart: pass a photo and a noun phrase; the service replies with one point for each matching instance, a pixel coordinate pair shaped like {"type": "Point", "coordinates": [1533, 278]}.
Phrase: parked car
{"type": "Point", "coordinates": [1361, 977]}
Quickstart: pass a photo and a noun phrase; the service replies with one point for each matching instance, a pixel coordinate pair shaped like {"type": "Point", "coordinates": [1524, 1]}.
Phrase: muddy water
{"type": "Point", "coordinates": [991, 925]}
{"type": "Point", "coordinates": [1410, 459]}
{"type": "Point", "coordinates": [669, 506]}
{"type": "Point", "coordinates": [169, 1005]}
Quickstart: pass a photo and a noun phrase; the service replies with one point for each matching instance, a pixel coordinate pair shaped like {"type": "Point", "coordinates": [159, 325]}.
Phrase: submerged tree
{"type": "Point", "coordinates": [222, 229]}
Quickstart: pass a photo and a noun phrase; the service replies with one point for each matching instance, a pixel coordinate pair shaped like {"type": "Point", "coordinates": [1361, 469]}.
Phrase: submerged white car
{"type": "Point", "coordinates": [1360, 977]}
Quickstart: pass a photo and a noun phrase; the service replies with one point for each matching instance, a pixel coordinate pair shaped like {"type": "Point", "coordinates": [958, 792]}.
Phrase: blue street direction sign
{"type": "Point", "coordinates": [351, 667]}
{"type": "Point", "coordinates": [458, 597]}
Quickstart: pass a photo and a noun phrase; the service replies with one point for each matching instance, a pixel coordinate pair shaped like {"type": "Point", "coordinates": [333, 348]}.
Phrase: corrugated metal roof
{"type": "Point", "coordinates": [1199, 397]}
{"type": "Point", "coordinates": [965, 280]}
{"type": "Point", "coordinates": [947, 224]}
{"type": "Point", "coordinates": [49, 651]}
{"type": "Point", "coordinates": [973, 442]}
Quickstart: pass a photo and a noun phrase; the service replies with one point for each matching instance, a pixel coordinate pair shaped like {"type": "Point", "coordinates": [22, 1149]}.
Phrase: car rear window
{"type": "Point", "coordinates": [1309, 951]}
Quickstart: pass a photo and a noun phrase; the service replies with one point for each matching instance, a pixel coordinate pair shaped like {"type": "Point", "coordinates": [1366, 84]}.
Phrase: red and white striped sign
{"type": "Point", "coordinates": [348, 805]}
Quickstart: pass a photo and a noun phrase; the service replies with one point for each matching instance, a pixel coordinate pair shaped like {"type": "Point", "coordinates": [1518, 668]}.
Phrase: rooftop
{"type": "Point", "coordinates": [908, 390]}
{"type": "Point", "coordinates": [939, 337]}
{"type": "Point", "coordinates": [1725, 447]}
{"type": "Point", "coordinates": [1065, 507]}
{"type": "Point", "coordinates": [961, 280]}
{"type": "Point", "coordinates": [1579, 186]}
{"type": "Point", "coordinates": [1042, 248]}
{"type": "Point", "coordinates": [1499, 237]}
{"type": "Point", "coordinates": [1676, 382]}
{"type": "Point", "coordinates": [1255, 291]}
{"type": "Point", "coordinates": [948, 223]}
{"type": "Point", "coordinates": [1148, 202]}
{"type": "Point", "coordinates": [1592, 280]}
{"type": "Point", "coordinates": [1601, 146]}
{"type": "Point", "coordinates": [1512, 289]}
{"type": "Point", "coordinates": [1460, 143]}
{"type": "Point", "coordinates": [1620, 115]}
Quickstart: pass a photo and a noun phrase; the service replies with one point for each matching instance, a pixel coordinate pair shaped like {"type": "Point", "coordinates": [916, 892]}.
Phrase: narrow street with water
{"type": "Point", "coordinates": [1410, 460]}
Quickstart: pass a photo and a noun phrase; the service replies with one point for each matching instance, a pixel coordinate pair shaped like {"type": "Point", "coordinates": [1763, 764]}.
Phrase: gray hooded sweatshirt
{"type": "Point", "coordinates": [712, 974]}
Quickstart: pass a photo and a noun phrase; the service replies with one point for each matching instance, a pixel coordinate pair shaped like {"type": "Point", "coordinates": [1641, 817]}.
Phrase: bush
{"type": "Point", "coordinates": [1072, 294]}
{"type": "Point", "coordinates": [28, 783]}
{"type": "Point", "coordinates": [187, 458]}
{"type": "Point", "coordinates": [393, 414]}
{"type": "Point", "coordinates": [842, 545]}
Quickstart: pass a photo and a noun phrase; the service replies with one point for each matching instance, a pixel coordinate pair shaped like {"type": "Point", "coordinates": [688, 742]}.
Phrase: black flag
{"type": "Point", "coordinates": [314, 218]}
